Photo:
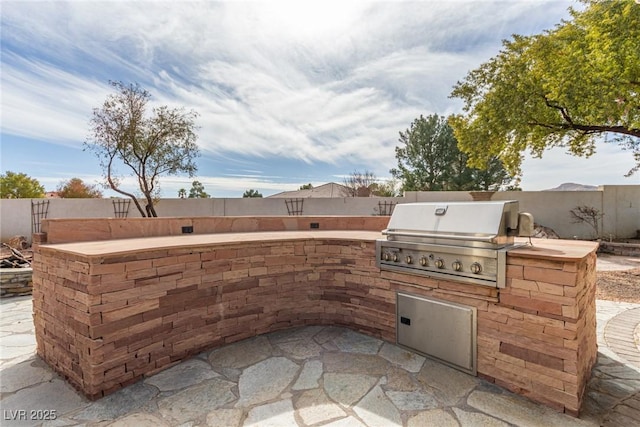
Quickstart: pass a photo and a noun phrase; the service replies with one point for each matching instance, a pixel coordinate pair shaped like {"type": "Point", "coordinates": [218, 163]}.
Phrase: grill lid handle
{"type": "Point", "coordinates": [441, 210]}
{"type": "Point", "coordinates": [394, 233]}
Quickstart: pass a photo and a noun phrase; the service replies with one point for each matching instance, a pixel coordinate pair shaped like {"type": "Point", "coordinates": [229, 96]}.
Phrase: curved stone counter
{"type": "Point", "coordinates": [110, 312]}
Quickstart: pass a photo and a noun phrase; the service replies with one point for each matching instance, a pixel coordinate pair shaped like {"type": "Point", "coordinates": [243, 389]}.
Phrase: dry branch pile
{"type": "Point", "coordinates": [13, 258]}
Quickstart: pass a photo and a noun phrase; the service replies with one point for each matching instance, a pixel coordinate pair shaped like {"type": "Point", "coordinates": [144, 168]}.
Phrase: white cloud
{"type": "Point", "coordinates": [331, 82]}
{"type": "Point", "coordinates": [40, 101]}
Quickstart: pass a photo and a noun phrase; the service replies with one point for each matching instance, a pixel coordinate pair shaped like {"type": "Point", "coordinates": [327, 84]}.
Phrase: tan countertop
{"type": "Point", "coordinates": [541, 248]}
{"type": "Point", "coordinates": [554, 249]}
{"type": "Point", "coordinates": [122, 246]}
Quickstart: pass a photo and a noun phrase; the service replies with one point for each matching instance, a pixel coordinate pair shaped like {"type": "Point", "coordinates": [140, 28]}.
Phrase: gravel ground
{"type": "Point", "coordinates": [619, 285]}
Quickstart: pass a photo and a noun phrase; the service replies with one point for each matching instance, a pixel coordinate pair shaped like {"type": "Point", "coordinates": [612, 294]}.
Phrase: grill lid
{"type": "Point", "coordinates": [460, 221]}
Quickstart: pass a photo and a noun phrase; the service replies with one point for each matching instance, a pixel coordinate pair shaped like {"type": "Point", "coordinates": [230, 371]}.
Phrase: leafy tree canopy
{"type": "Point", "coordinates": [19, 186]}
{"type": "Point", "coordinates": [388, 188]}
{"type": "Point", "coordinates": [251, 193]}
{"type": "Point", "coordinates": [563, 88]}
{"type": "Point", "coordinates": [429, 160]}
{"type": "Point", "coordinates": [75, 188]}
{"type": "Point", "coordinates": [197, 191]}
{"type": "Point", "coordinates": [146, 144]}
{"type": "Point", "coordinates": [308, 186]}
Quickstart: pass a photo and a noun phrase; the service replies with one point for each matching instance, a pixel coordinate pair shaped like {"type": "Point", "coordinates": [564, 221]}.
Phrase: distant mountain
{"type": "Point", "coordinates": [571, 186]}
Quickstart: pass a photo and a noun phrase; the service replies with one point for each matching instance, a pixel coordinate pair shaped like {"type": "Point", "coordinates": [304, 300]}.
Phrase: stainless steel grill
{"type": "Point", "coordinates": [460, 241]}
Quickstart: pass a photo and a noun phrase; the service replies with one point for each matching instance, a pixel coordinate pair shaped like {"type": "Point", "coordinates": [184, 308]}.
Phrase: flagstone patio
{"type": "Point", "coordinates": [310, 376]}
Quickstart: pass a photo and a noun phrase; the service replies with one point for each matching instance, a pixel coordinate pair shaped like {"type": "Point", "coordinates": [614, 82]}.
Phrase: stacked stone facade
{"type": "Point", "coordinates": [540, 339]}
{"type": "Point", "coordinates": [15, 282]}
{"type": "Point", "coordinates": [106, 318]}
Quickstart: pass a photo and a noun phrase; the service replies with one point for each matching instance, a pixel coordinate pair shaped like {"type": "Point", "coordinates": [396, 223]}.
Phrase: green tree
{"type": "Point", "coordinates": [306, 187]}
{"type": "Point", "coordinates": [147, 145]}
{"type": "Point", "coordinates": [387, 188]}
{"type": "Point", "coordinates": [19, 186]}
{"type": "Point", "coordinates": [569, 87]}
{"type": "Point", "coordinates": [251, 193]}
{"type": "Point", "coordinates": [197, 191]}
{"type": "Point", "coordinates": [182, 193]}
{"type": "Point", "coordinates": [75, 188]}
{"type": "Point", "coordinates": [429, 160]}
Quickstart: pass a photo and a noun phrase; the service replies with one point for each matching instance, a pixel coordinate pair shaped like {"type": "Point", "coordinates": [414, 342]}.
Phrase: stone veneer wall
{"type": "Point", "coordinates": [104, 322]}
{"type": "Point", "coordinates": [623, 249]}
{"type": "Point", "coordinates": [540, 339]}
{"type": "Point", "coordinates": [15, 282]}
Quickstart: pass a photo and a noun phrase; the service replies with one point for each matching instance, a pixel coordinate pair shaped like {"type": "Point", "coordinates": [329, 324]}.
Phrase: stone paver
{"type": "Point", "coordinates": [314, 406]}
{"type": "Point", "coordinates": [407, 360]}
{"type": "Point", "coordinates": [353, 342]}
{"type": "Point", "coordinates": [449, 385]}
{"type": "Point", "coordinates": [241, 354]}
{"type": "Point", "coordinates": [277, 414]}
{"type": "Point", "coordinates": [412, 400]}
{"type": "Point", "coordinates": [310, 375]}
{"type": "Point", "coordinates": [435, 417]}
{"type": "Point", "coordinates": [118, 404]}
{"type": "Point", "coordinates": [318, 375]}
{"type": "Point", "coordinates": [196, 401]}
{"type": "Point", "coordinates": [224, 418]}
{"type": "Point", "coordinates": [23, 375]}
{"type": "Point", "coordinates": [44, 400]}
{"type": "Point", "coordinates": [265, 380]}
{"type": "Point", "coordinates": [479, 419]}
{"type": "Point", "coordinates": [187, 373]}
{"type": "Point", "coordinates": [620, 335]}
{"type": "Point", "coordinates": [519, 411]}
{"type": "Point", "coordinates": [347, 388]}
{"type": "Point", "coordinates": [139, 419]}
{"type": "Point", "coordinates": [376, 410]}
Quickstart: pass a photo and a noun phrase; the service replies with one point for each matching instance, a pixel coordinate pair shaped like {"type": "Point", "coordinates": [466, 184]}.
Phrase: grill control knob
{"type": "Point", "coordinates": [386, 256]}
{"type": "Point", "coordinates": [457, 265]}
{"type": "Point", "coordinates": [395, 257]}
{"type": "Point", "coordinates": [424, 261]}
{"type": "Point", "coordinates": [408, 259]}
{"type": "Point", "coordinates": [475, 268]}
{"type": "Point", "coordinates": [439, 263]}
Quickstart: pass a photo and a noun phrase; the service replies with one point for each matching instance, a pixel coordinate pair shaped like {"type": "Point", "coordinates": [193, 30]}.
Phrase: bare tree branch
{"type": "Point", "coordinates": [163, 143]}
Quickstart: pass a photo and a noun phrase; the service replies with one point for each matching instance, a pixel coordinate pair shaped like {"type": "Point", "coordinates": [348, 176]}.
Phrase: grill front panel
{"type": "Point", "coordinates": [469, 265]}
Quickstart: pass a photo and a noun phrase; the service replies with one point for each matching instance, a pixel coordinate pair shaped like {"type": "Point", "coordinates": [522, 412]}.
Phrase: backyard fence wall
{"type": "Point", "coordinates": [620, 206]}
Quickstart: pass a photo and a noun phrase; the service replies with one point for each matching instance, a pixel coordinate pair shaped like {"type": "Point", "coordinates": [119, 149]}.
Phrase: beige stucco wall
{"type": "Point", "coordinates": [619, 203]}
{"type": "Point", "coordinates": [15, 218]}
{"type": "Point", "coordinates": [551, 209]}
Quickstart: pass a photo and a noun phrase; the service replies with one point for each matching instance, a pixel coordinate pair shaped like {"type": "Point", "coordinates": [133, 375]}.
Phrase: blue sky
{"type": "Point", "coordinates": [288, 92]}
